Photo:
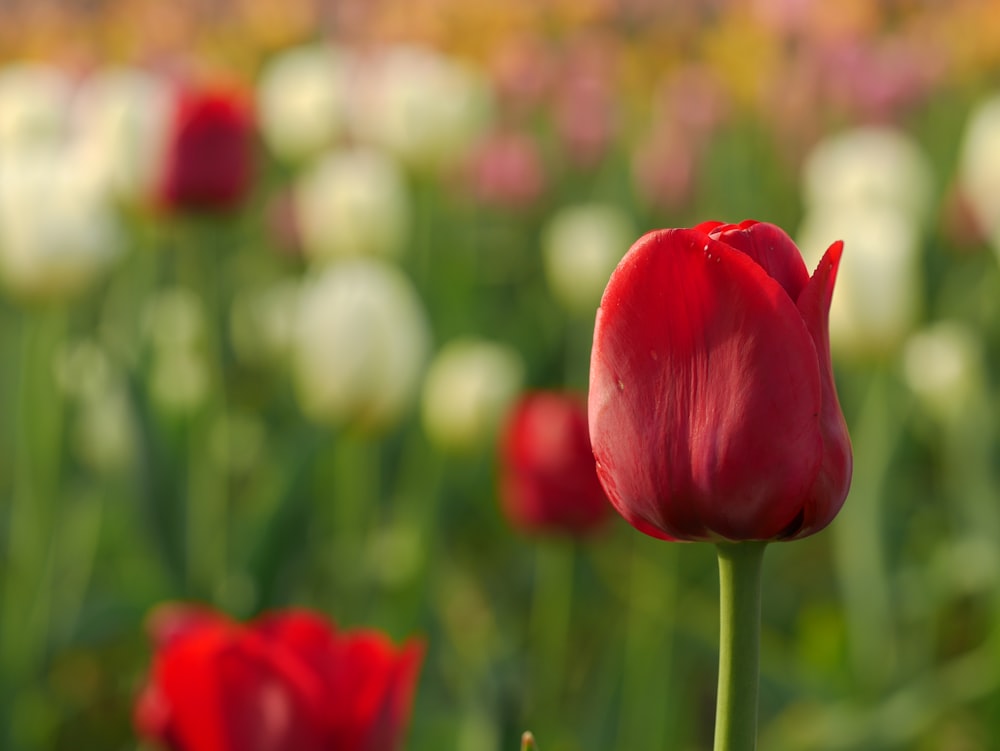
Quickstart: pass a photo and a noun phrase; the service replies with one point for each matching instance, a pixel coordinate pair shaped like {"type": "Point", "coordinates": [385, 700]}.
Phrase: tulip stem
{"type": "Point", "coordinates": [739, 645]}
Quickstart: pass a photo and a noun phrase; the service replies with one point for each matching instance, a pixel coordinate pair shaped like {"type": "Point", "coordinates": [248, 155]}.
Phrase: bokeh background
{"type": "Point", "coordinates": [285, 385]}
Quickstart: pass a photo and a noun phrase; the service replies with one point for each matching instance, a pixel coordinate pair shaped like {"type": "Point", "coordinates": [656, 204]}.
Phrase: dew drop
{"type": "Point", "coordinates": [621, 386]}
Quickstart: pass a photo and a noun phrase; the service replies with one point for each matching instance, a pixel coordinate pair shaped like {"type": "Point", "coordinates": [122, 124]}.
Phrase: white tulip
{"type": "Point", "coordinates": [122, 119]}
{"type": "Point", "coordinates": [422, 106]}
{"type": "Point", "coordinates": [879, 285]}
{"type": "Point", "coordinates": [352, 203]}
{"type": "Point", "coordinates": [581, 246]}
{"type": "Point", "coordinates": [469, 386]}
{"type": "Point", "coordinates": [302, 100]}
{"type": "Point", "coordinates": [58, 229]}
{"type": "Point", "coordinates": [979, 166]}
{"type": "Point", "coordinates": [943, 366]}
{"type": "Point", "coordinates": [34, 105]}
{"type": "Point", "coordinates": [869, 167]}
{"type": "Point", "coordinates": [361, 339]}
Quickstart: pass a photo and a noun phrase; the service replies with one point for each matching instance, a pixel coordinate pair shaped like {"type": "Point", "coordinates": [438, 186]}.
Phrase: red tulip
{"type": "Point", "coordinates": [548, 476]}
{"type": "Point", "coordinates": [208, 163]}
{"type": "Point", "coordinates": [713, 411]}
{"type": "Point", "coordinates": [285, 682]}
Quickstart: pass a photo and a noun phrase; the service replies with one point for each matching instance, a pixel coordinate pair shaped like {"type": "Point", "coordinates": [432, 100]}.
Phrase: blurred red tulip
{"type": "Point", "coordinates": [548, 476]}
{"type": "Point", "coordinates": [208, 163]}
{"type": "Point", "coordinates": [286, 681]}
{"type": "Point", "coordinates": [713, 411]}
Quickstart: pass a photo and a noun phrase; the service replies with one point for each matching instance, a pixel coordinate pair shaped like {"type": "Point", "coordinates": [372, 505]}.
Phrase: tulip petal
{"type": "Point", "coordinates": [771, 248]}
{"type": "Point", "coordinates": [834, 478]}
{"type": "Point", "coordinates": [227, 692]}
{"type": "Point", "coordinates": [701, 354]}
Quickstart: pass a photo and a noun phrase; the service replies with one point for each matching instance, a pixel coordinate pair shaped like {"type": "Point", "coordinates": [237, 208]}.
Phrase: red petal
{"type": "Point", "coordinates": [375, 688]}
{"type": "Point", "coordinates": [834, 478]}
{"type": "Point", "coordinates": [771, 248]}
{"type": "Point", "coordinates": [705, 392]}
{"type": "Point", "coordinates": [228, 691]}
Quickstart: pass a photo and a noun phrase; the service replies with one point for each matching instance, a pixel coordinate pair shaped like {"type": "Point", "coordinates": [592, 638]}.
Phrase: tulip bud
{"type": "Point", "coordinates": [58, 229]}
{"type": "Point", "coordinates": [713, 411]}
{"type": "Point", "coordinates": [870, 168]}
{"type": "Point", "coordinates": [302, 96]}
{"type": "Point", "coordinates": [943, 365]}
{"type": "Point", "coordinates": [352, 203]}
{"type": "Point", "coordinates": [468, 388]}
{"type": "Point", "coordinates": [208, 163]}
{"type": "Point", "coordinates": [422, 106]}
{"type": "Point", "coordinates": [548, 479]}
{"type": "Point", "coordinates": [360, 340]}
{"type": "Point", "coordinates": [581, 246]}
{"type": "Point", "coordinates": [879, 291]}
{"type": "Point", "coordinates": [979, 167]}
{"type": "Point", "coordinates": [122, 117]}
{"type": "Point", "coordinates": [34, 105]}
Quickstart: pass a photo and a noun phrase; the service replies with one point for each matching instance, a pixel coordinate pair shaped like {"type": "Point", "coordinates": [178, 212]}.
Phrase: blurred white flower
{"type": "Point", "coordinates": [262, 321]}
{"type": "Point", "coordinates": [467, 390]}
{"type": "Point", "coordinates": [174, 326]}
{"type": "Point", "coordinates": [361, 339]}
{"type": "Point", "coordinates": [174, 318]}
{"type": "Point", "coordinates": [122, 120]}
{"type": "Point", "coordinates": [352, 203]}
{"type": "Point", "coordinates": [302, 99]}
{"type": "Point", "coordinates": [58, 228]}
{"type": "Point", "coordinates": [979, 167]}
{"type": "Point", "coordinates": [102, 428]}
{"type": "Point", "coordinates": [871, 167]}
{"type": "Point", "coordinates": [421, 105]}
{"type": "Point", "coordinates": [943, 366]}
{"type": "Point", "coordinates": [879, 284]}
{"type": "Point", "coordinates": [581, 247]}
{"type": "Point", "coordinates": [34, 105]}
{"type": "Point", "coordinates": [104, 431]}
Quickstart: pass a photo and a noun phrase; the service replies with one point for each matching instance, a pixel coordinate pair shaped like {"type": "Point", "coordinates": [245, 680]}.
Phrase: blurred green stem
{"type": "Point", "coordinates": [739, 645]}
{"type": "Point", "coordinates": [550, 616]}
{"type": "Point", "coordinates": [858, 539]}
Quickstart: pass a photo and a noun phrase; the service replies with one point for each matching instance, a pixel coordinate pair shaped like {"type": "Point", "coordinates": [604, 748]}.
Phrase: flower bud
{"type": "Point", "coordinates": [713, 411]}
{"type": "Point", "coordinates": [467, 391]}
{"type": "Point", "coordinates": [548, 478]}
{"type": "Point", "coordinates": [423, 107]}
{"type": "Point", "coordinates": [581, 247]}
{"type": "Point", "coordinates": [352, 203]}
{"type": "Point", "coordinates": [361, 337]}
{"type": "Point", "coordinates": [302, 96]}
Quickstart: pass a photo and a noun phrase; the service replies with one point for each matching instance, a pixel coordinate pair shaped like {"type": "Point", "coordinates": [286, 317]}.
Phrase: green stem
{"type": "Point", "coordinates": [739, 645]}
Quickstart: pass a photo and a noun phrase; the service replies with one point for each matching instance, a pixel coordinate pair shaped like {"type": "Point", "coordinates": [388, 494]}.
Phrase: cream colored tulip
{"type": "Point", "coordinates": [361, 339]}
{"type": "Point", "coordinates": [302, 99]}
{"type": "Point", "coordinates": [469, 386]}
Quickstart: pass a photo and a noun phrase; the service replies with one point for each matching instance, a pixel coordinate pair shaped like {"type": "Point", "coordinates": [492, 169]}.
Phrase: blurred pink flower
{"type": "Point", "coordinates": [505, 169]}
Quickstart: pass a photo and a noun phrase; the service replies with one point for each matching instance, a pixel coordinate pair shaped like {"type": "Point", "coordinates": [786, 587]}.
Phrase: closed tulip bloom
{"type": "Point", "coordinates": [713, 410]}
{"type": "Point", "coordinates": [288, 680]}
{"type": "Point", "coordinates": [548, 479]}
{"type": "Point", "coordinates": [208, 165]}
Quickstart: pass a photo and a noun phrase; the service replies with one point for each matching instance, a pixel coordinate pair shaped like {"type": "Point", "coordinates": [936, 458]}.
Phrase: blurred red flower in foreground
{"type": "Point", "coordinates": [548, 477]}
{"type": "Point", "coordinates": [208, 164]}
{"type": "Point", "coordinates": [286, 681]}
{"type": "Point", "coordinates": [713, 411]}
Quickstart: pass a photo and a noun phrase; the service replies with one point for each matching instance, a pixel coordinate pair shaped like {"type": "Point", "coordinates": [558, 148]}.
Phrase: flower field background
{"type": "Point", "coordinates": [282, 279]}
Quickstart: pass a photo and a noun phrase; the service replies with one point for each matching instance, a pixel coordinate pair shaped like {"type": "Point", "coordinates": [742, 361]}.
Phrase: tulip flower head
{"type": "Point", "coordinates": [713, 411]}
{"type": "Point", "coordinates": [288, 680]}
{"type": "Point", "coordinates": [548, 478]}
{"type": "Point", "coordinates": [209, 155]}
